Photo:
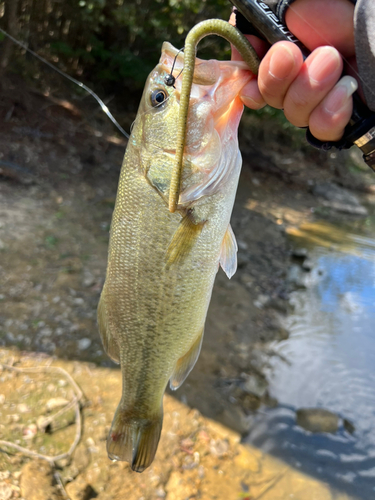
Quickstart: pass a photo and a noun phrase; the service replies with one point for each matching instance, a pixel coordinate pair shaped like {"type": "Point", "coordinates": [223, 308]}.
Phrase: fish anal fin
{"type": "Point", "coordinates": [185, 364]}
{"type": "Point", "coordinates": [109, 343]}
{"type": "Point", "coordinates": [184, 238]}
{"type": "Point", "coordinates": [134, 439]}
{"type": "Point", "coordinates": [228, 253]}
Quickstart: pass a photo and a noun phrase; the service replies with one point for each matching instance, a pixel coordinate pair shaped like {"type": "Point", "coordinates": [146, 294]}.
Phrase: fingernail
{"type": "Point", "coordinates": [326, 61]}
{"type": "Point", "coordinates": [251, 103]}
{"type": "Point", "coordinates": [281, 63]}
{"type": "Point", "coordinates": [340, 94]}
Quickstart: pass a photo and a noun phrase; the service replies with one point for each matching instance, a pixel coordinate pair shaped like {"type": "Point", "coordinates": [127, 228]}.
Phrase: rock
{"type": "Point", "coordinates": [307, 265]}
{"type": "Point", "coordinates": [78, 301]}
{"type": "Point", "coordinates": [219, 447]}
{"type": "Point", "coordinates": [300, 253]}
{"type": "Point", "coordinates": [317, 420]}
{"type": "Point", "coordinates": [80, 489]}
{"type": "Point", "coordinates": [235, 418]}
{"type": "Point", "coordinates": [54, 403]}
{"type": "Point", "coordinates": [295, 276]}
{"type": "Point", "coordinates": [29, 432]}
{"type": "Point", "coordinates": [348, 426]}
{"type": "Point", "coordinates": [261, 301]}
{"type": "Point", "coordinates": [45, 332]}
{"type": "Point", "coordinates": [88, 278]}
{"type": "Point", "coordinates": [6, 491]}
{"type": "Point", "coordinates": [38, 483]}
{"type": "Point", "coordinates": [83, 344]}
{"type": "Point", "coordinates": [82, 457]}
{"type": "Point", "coordinates": [255, 384]}
{"type": "Point", "coordinates": [178, 488]}
{"type": "Point", "coordinates": [23, 408]}
{"type": "Point", "coordinates": [160, 493]}
{"type": "Point", "coordinates": [279, 304]}
{"type": "Point", "coordinates": [339, 199]}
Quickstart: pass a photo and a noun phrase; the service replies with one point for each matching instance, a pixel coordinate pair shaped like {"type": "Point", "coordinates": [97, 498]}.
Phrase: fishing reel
{"type": "Point", "coordinates": [361, 128]}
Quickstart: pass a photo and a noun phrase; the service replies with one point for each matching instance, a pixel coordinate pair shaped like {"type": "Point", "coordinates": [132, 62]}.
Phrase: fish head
{"type": "Point", "coordinates": [215, 110]}
{"type": "Point", "coordinates": [155, 127]}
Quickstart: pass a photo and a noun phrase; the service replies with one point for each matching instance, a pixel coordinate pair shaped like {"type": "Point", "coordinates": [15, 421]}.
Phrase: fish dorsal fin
{"type": "Point", "coordinates": [109, 343]}
{"type": "Point", "coordinates": [185, 364]}
{"type": "Point", "coordinates": [228, 253]}
{"type": "Point", "coordinates": [184, 238]}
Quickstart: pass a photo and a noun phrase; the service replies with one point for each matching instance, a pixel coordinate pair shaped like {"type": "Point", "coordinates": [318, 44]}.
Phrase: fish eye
{"type": "Point", "coordinates": [158, 96]}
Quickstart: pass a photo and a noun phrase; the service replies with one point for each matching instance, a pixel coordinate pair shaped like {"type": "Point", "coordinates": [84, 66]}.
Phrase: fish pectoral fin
{"type": "Point", "coordinates": [184, 238]}
{"type": "Point", "coordinates": [133, 439]}
{"type": "Point", "coordinates": [109, 343]}
{"type": "Point", "coordinates": [228, 253]}
{"type": "Point", "coordinates": [185, 364]}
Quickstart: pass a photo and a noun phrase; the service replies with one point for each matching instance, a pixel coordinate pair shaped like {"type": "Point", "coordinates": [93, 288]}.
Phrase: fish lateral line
{"type": "Point", "coordinates": [205, 28]}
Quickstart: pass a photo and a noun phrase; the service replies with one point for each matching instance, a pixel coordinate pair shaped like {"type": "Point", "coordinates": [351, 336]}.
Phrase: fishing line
{"type": "Point", "coordinates": [170, 79]}
{"type": "Point", "coordinates": [364, 84]}
{"type": "Point", "coordinates": [77, 82]}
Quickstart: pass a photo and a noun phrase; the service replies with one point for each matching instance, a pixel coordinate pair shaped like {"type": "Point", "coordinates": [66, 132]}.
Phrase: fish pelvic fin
{"type": "Point", "coordinates": [228, 253]}
{"type": "Point", "coordinates": [109, 343]}
{"type": "Point", "coordinates": [184, 238]}
{"type": "Point", "coordinates": [186, 363]}
{"type": "Point", "coordinates": [133, 439]}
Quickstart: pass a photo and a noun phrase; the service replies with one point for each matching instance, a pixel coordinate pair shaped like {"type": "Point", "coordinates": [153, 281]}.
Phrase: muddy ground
{"type": "Point", "coordinates": [60, 164]}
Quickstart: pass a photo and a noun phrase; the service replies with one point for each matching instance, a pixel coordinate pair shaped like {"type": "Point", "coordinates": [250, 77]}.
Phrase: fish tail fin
{"type": "Point", "coordinates": [134, 440]}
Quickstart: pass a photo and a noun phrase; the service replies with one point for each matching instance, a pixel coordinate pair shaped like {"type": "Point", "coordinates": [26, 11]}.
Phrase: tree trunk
{"type": "Point", "coordinates": [10, 15]}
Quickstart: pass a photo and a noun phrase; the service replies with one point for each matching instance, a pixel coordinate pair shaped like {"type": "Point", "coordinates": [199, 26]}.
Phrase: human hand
{"type": "Point", "coordinates": [310, 92]}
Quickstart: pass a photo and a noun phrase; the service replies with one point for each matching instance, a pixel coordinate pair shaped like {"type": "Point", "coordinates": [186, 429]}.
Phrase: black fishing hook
{"type": "Point", "coordinates": [170, 79]}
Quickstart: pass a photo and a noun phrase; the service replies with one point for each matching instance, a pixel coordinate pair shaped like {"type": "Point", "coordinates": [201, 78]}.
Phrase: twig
{"type": "Point", "coordinates": [274, 481]}
{"type": "Point", "coordinates": [61, 485]}
{"type": "Point", "coordinates": [74, 403]}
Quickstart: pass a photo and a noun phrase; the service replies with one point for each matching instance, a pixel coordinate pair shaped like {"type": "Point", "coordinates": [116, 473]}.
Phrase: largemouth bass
{"type": "Point", "coordinates": [162, 265]}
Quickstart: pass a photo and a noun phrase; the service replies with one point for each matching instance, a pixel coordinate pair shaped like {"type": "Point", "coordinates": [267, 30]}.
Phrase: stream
{"type": "Point", "coordinates": [327, 362]}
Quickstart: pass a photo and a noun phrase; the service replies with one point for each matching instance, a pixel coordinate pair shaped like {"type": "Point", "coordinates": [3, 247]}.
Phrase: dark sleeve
{"type": "Point", "coordinates": [281, 6]}
{"type": "Point", "coordinates": [364, 31]}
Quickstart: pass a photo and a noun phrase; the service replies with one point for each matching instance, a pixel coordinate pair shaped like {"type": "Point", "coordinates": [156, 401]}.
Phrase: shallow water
{"type": "Point", "coordinates": [328, 362]}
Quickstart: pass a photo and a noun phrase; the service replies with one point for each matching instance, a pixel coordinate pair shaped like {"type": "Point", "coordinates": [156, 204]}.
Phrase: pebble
{"type": "Point", "coordinates": [23, 408]}
{"type": "Point", "coordinates": [219, 447]}
{"type": "Point", "coordinates": [84, 344]}
{"type": "Point", "coordinates": [255, 385]}
{"type": "Point", "coordinates": [30, 431]}
{"type": "Point", "coordinates": [317, 420]}
{"type": "Point", "coordinates": [88, 278]}
{"type": "Point", "coordinates": [54, 403]}
{"type": "Point", "coordinates": [37, 481]}
{"type": "Point", "coordinates": [160, 493]}
{"type": "Point", "coordinates": [339, 199]}
{"type": "Point", "coordinates": [300, 253]}
{"type": "Point", "coordinates": [308, 264]}
{"type": "Point", "coordinates": [261, 301]}
{"type": "Point", "coordinates": [2, 399]}
{"type": "Point", "coordinates": [6, 491]}
{"type": "Point", "coordinates": [295, 276]}
{"type": "Point", "coordinates": [80, 490]}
